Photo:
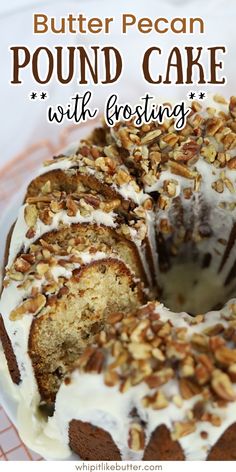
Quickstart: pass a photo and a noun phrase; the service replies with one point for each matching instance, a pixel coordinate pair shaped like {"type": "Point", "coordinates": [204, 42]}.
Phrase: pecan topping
{"type": "Point", "coordinates": [187, 151]}
{"type": "Point", "coordinates": [157, 401]}
{"type": "Point", "coordinates": [21, 265]}
{"type": "Point", "coordinates": [232, 163]}
{"type": "Point", "coordinates": [232, 106]}
{"type": "Point", "coordinates": [188, 389]}
{"type": "Point", "coordinates": [225, 356]}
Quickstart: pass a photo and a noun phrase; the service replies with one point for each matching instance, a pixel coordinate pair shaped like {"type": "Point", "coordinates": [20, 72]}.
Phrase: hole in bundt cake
{"type": "Point", "coordinates": [190, 288]}
{"type": "Point", "coordinates": [195, 260]}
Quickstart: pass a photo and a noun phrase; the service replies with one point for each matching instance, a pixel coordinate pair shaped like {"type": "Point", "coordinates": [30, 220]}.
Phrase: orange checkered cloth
{"type": "Point", "coordinates": [12, 177]}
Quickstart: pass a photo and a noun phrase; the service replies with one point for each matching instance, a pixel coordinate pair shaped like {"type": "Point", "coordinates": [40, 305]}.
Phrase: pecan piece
{"type": "Point", "coordinates": [151, 136]}
{"type": "Point", "coordinates": [188, 389]}
{"type": "Point", "coordinates": [232, 106]}
{"type": "Point", "coordinates": [32, 306]}
{"type": "Point", "coordinates": [182, 429]}
{"type": "Point", "coordinates": [187, 151]}
{"type": "Point", "coordinates": [222, 386]}
{"type": "Point", "coordinates": [231, 164]}
{"type": "Point", "coordinates": [21, 265]}
{"type": "Point", "coordinates": [92, 360]}
{"type": "Point", "coordinates": [181, 169]}
{"type": "Point", "coordinates": [157, 401]}
{"type": "Point", "coordinates": [225, 356]}
{"type": "Point", "coordinates": [31, 215]}
{"type": "Point", "coordinates": [114, 318]}
{"type": "Point", "coordinates": [140, 350]}
{"type": "Point", "coordinates": [136, 440]}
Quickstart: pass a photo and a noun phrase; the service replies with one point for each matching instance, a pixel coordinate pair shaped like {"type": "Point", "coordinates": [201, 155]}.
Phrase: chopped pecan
{"type": "Point", "coordinates": [170, 186]}
{"type": "Point", "coordinates": [198, 410]}
{"type": "Point", "coordinates": [214, 330]}
{"type": "Point", "coordinates": [47, 187]}
{"type": "Point", "coordinates": [222, 385]}
{"type": "Point", "coordinates": [209, 152]}
{"type": "Point", "coordinates": [232, 372]}
{"type": "Point", "coordinates": [32, 306]}
{"type": "Point", "coordinates": [177, 350]}
{"type": "Point", "coordinates": [225, 355]}
{"type": "Point", "coordinates": [171, 139]}
{"type": "Point", "coordinates": [230, 141]}
{"type": "Point", "coordinates": [182, 429]}
{"type": "Point", "coordinates": [200, 342]}
{"type": "Point", "coordinates": [202, 374]}
{"type": "Point", "coordinates": [92, 360]}
{"type": "Point", "coordinates": [72, 207]}
{"type": "Point", "coordinates": [218, 186]}
{"type": "Point", "coordinates": [159, 378]}
{"type": "Point", "coordinates": [187, 151]}
{"type": "Point", "coordinates": [92, 200]}
{"type": "Point", "coordinates": [213, 125]}
{"type": "Point", "coordinates": [46, 216]}
{"type": "Point", "coordinates": [122, 177]}
{"type": "Point", "coordinates": [150, 137]}
{"type": "Point", "coordinates": [157, 401]}
{"type": "Point", "coordinates": [137, 334]}
{"type": "Point", "coordinates": [114, 318]}
{"type": "Point", "coordinates": [140, 350]}
{"type": "Point", "coordinates": [110, 205]}
{"type": "Point", "coordinates": [31, 215]}
{"type": "Point", "coordinates": [181, 169]}
{"type": "Point", "coordinates": [42, 268]}
{"type": "Point", "coordinates": [136, 440]}
{"type": "Point", "coordinates": [111, 378]}
{"type": "Point", "coordinates": [21, 265]}
{"type": "Point", "coordinates": [231, 164]}
{"type": "Point", "coordinates": [188, 388]}
{"type": "Point", "coordinates": [232, 106]}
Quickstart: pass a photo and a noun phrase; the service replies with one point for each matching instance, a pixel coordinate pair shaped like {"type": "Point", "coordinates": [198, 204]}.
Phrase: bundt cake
{"type": "Point", "coordinates": [118, 309]}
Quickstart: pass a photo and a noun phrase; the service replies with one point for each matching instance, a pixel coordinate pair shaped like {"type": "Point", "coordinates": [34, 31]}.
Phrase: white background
{"type": "Point", "coordinates": [23, 122]}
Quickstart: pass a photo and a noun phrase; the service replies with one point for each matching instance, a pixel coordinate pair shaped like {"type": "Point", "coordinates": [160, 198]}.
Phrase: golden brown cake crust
{"type": "Point", "coordinates": [91, 443]}
{"type": "Point", "coordinates": [224, 449]}
{"type": "Point", "coordinates": [9, 353]}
